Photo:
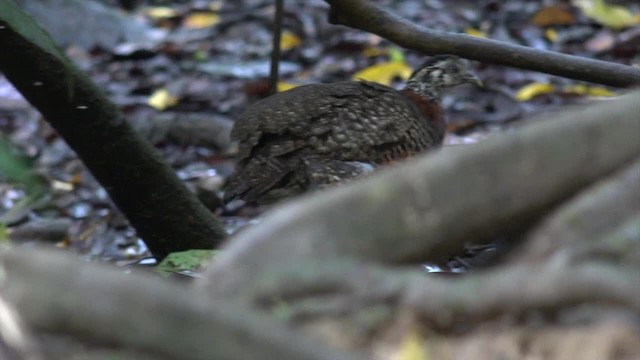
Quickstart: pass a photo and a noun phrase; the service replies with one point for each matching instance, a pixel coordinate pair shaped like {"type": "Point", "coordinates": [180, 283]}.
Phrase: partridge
{"type": "Point", "coordinates": [317, 135]}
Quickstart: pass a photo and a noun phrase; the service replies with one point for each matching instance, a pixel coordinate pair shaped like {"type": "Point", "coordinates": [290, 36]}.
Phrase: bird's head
{"type": "Point", "coordinates": [440, 72]}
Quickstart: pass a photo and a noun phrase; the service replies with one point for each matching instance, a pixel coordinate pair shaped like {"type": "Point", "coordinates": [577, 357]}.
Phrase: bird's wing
{"type": "Point", "coordinates": [318, 110]}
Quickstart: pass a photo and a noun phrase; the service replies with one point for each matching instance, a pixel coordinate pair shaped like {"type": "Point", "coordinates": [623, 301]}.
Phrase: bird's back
{"type": "Point", "coordinates": [346, 121]}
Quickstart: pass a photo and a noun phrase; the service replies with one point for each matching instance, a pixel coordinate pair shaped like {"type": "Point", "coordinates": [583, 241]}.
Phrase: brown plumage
{"type": "Point", "coordinates": [316, 135]}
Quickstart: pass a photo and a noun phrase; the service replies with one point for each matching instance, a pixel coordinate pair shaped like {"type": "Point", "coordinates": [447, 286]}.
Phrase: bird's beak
{"type": "Point", "coordinates": [473, 79]}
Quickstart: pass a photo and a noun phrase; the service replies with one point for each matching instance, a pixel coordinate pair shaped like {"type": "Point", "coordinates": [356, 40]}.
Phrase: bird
{"type": "Point", "coordinates": [314, 136]}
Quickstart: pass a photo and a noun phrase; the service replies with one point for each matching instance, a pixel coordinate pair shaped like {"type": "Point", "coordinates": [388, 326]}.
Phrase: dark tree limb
{"type": "Point", "coordinates": [427, 208]}
{"type": "Point", "coordinates": [364, 15]}
{"type": "Point", "coordinates": [59, 294]}
{"type": "Point", "coordinates": [164, 213]}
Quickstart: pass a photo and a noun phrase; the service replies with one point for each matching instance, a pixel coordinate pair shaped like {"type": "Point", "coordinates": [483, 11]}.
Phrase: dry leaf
{"type": "Point", "coordinates": [475, 32]}
{"type": "Point", "coordinates": [289, 40]}
{"type": "Point", "coordinates": [613, 16]}
{"type": "Point", "coordinates": [532, 90]}
{"type": "Point", "coordinates": [284, 86]}
{"type": "Point", "coordinates": [160, 12]}
{"type": "Point", "coordinates": [161, 100]}
{"type": "Point", "coordinates": [581, 89]}
{"type": "Point", "coordinates": [201, 20]}
{"type": "Point", "coordinates": [384, 73]}
{"type": "Point", "coordinates": [553, 15]}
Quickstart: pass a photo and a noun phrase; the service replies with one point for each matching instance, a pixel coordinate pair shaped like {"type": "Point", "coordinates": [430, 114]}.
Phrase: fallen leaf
{"type": "Point", "coordinates": [201, 20]}
{"type": "Point", "coordinates": [532, 90]}
{"type": "Point", "coordinates": [613, 16]}
{"type": "Point", "coordinates": [160, 12]}
{"type": "Point", "coordinates": [190, 260]}
{"type": "Point", "coordinates": [384, 73]}
{"type": "Point", "coordinates": [475, 32]}
{"type": "Point", "coordinates": [396, 54]}
{"type": "Point", "coordinates": [161, 100]}
{"type": "Point", "coordinates": [553, 15]}
{"type": "Point", "coordinates": [581, 89]}
{"type": "Point", "coordinates": [551, 34]}
{"type": "Point", "coordinates": [284, 86]}
{"type": "Point", "coordinates": [289, 40]}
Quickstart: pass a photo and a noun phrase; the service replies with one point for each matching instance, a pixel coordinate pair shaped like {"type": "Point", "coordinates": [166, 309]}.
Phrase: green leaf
{"type": "Point", "coordinates": [190, 260]}
{"type": "Point", "coordinates": [613, 16]}
{"type": "Point", "coordinates": [17, 168]}
{"type": "Point", "coordinates": [396, 54]}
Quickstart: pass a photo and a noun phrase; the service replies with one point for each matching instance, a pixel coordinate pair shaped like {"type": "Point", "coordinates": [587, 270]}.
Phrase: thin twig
{"type": "Point", "coordinates": [275, 52]}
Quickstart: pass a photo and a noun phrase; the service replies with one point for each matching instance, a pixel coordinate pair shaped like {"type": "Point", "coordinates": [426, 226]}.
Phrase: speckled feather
{"type": "Point", "coordinates": [314, 134]}
{"type": "Point", "coordinates": [346, 120]}
{"type": "Point", "coordinates": [350, 121]}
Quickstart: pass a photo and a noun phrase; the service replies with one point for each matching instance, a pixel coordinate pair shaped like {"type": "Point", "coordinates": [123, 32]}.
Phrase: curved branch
{"type": "Point", "coordinates": [443, 303]}
{"type": "Point", "coordinates": [363, 15]}
{"type": "Point", "coordinates": [575, 231]}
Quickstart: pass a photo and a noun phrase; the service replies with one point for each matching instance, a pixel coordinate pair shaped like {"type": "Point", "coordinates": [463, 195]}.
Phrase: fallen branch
{"type": "Point", "coordinates": [364, 15]}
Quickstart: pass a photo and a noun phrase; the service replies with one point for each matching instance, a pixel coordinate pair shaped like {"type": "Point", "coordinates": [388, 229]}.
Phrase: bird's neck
{"type": "Point", "coordinates": [430, 108]}
{"type": "Point", "coordinates": [425, 89]}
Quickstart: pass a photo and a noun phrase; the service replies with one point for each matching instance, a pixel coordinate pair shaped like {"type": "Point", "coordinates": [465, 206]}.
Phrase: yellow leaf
{"type": "Point", "coordinates": [160, 12]}
{"type": "Point", "coordinates": [532, 90]}
{"type": "Point", "coordinates": [289, 40]}
{"type": "Point", "coordinates": [581, 89]}
{"type": "Point", "coordinates": [161, 100]}
{"type": "Point", "coordinates": [475, 32]}
{"type": "Point", "coordinates": [613, 16]}
{"type": "Point", "coordinates": [201, 20]}
{"type": "Point", "coordinates": [411, 348]}
{"type": "Point", "coordinates": [384, 73]}
{"type": "Point", "coordinates": [553, 15]}
{"type": "Point", "coordinates": [551, 34]}
{"type": "Point", "coordinates": [284, 86]}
